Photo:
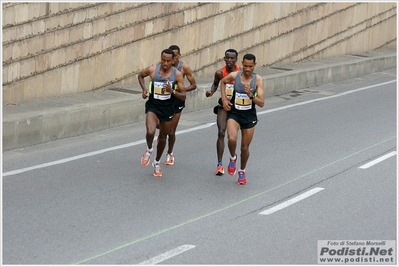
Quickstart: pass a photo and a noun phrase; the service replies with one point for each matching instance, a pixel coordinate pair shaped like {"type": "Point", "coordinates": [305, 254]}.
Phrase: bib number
{"type": "Point", "coordinates": [229, 90]}
{"type": "Point", "coordinates": [242, 102]}
{"type": "Point", "coordinates": [159, 92]}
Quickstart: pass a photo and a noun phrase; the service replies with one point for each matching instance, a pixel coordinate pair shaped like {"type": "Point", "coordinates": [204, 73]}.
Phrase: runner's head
{"type": "Point", "coordinates": [167, 58]}
{"type": "Point", "coordinates": [248, 64]}
{"type": "Point", "coordinates": [230, 57]}
{"type": "Point", "coordinates": [176, 51]}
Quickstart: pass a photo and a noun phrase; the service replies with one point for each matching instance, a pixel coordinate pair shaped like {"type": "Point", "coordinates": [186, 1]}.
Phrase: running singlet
{"type": "Point", "coordinates": [229, 86]}
{"type": "Point", "coordinates": [179, 104]}
{"type": "Point", "coordinates": [240, 100]}
{"type": "Point", "coordinates": [180, 66]}
{"type": "Point", "coordinates": [158, 95]}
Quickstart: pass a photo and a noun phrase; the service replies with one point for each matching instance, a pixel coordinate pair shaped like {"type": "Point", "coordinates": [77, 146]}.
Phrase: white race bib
{"type": "Point", "coordinates": [242, 102]}
{"type": "Point", "coordinates": [159, 92]}
{"type": "Point", "coordinates": [229, 90]}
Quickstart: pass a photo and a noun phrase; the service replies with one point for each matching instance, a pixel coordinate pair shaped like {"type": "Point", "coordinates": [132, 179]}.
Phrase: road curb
{"type": "Point", "coordinates": [83, 114]}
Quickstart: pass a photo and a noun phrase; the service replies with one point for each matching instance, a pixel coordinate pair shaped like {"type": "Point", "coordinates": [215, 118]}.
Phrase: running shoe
{"type": "Point", "coordinates": [170, 159]}
{"type": "Point", "coordinates": [231, 169]}
{"type": "Point", "coordinates": [157, 169]}
{"type": "Point", "coordinates": [219, 170]}
{"type": "Point", "coordinates": [241, 178]}
{"type": "Point", "coordinates": [145, 159]}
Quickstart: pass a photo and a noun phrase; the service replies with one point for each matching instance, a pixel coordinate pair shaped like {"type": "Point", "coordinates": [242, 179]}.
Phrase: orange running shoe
{"type": "Point", "coordinates": [170, 159]}
{"type": "Point", "coordinates": [241, 178]}
{"type": "Point", "coordinates": [219, 170]}
{"type": "Point", "coordinates": [157, 169]}
{"type": "Point", "coordinates": [145, 159]}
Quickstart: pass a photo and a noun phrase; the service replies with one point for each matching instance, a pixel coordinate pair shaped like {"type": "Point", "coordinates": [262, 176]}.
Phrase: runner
{"type": "Point", "coordinates": [241, 111]}
{"type": "Point", "coordinates": [179, 104]}
{"type": "Point", "coordinates": [230, 58]}
{"type": "Point", "coordinates": [159, 106]}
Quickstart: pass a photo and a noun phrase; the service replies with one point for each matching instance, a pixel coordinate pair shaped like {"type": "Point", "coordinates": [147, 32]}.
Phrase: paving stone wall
{"type": "Point", "coordinates": [52, 49]}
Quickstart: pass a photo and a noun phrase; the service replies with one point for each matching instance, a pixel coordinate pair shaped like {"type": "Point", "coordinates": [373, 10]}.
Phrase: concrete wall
{"type": "Point", "coordinates": [54, 48]}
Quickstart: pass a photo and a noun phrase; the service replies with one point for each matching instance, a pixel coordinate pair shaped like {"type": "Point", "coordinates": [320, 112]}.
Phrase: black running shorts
{"type": "Point", "coordinates": [178, 106]}
{"type": "Point", "coordinates": [220, 105]}
{"type": "Point", "coordinates": [246, 120]}
{"type": "Point", "coordinates": [164, 113]}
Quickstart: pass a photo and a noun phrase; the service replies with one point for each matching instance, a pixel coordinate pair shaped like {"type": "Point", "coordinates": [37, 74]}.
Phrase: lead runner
{"type": "Point", "coordinates": [241, 111]}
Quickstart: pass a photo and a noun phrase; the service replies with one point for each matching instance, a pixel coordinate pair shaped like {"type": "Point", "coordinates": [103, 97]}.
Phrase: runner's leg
{"type": "Point", "coordinates": [151, 121]}
{"type": "Point", "coordinates": [163, 131]}
{"type": "Point", "coordinates": [172, 132]}
{"type": "Point", "coordinates": [221, 123]}
{"type": "Point", "coordinates": [247, 135]}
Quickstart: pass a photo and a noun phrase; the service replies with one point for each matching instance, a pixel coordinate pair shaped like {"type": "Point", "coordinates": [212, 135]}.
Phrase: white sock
{"type": "Point", "coordinates": [234, 158]}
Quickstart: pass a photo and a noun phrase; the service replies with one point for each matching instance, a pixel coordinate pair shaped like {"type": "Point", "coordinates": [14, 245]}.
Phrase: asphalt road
{"type": "Point", "coordinates": [322, 167]}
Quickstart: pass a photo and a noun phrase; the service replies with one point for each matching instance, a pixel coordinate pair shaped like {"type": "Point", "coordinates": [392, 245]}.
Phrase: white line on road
{"type": "Point", "coordinates": [167, 255]}
{"type": "Point", "coordinates": [374, 162]}
{"type": "Point", "coordinates": [85, 155]}
{"type": "Point", "coordinates": [325, 98]}
{"type": "Point", "coordinates": [291, 201]}
{"type": "Point", "coordinates": [52, 163]}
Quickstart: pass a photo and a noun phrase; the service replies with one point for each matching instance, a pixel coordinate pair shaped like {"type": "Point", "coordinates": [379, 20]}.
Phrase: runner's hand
{"type": "Point", "coordinates": [168, 87]}
{"type": "Point", "coordinates": [226, 104]}
{"type": "Point", "coordinates": [247, 89]}
{"type": "Point", "coordinates": [145, 94]}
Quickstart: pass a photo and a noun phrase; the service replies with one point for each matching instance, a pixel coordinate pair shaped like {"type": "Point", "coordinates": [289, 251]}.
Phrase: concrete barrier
{"type": "Point", "coordinates": [51, 119]}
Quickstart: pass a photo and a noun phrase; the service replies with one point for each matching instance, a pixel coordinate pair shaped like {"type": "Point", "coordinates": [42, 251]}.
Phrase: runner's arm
{"type": "Point", "coordinates": [144, 73]}
{"type": "Point", "coordinates": [180, 92]}
{"type": "Point", "coordinates": [258, 98]}
{"type": "Point", "coordinates": [218, 77]}
{"type": "Point", "coordinates": [190, 78]}
{"type": "Point", "coordinates": [229, 78]}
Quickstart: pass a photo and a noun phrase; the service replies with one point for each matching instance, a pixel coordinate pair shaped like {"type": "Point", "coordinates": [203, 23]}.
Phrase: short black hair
{"type": "Point", "coordinates": [231, 51]}
{"type": "Point", "coordinates": [249, 57]}
{"type": "Point", "coordinates": [168, 51]}
{"type": "Point", "coordinates": [174, 47]}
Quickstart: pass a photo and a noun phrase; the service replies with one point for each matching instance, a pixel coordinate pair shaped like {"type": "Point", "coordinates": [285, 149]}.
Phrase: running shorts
{"type": "Point", "coordinates": [164, 113]}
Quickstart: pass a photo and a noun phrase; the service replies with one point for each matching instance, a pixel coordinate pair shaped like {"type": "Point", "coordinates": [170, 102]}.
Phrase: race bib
{"type": "Point", "coordinates": [159, 92]}
{"type": "Point", "coordinates": [242, 102]}
{"type": "Point", "coordinates": [229, 90]}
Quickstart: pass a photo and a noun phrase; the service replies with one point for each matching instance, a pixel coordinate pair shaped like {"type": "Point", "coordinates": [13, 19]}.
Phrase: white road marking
{"type": "Point", "coordinates": [325, 98]}
{"type": "Point", "coordinates": [376, 161]}
{"type": "Point", "coordinates": [52, 163]}
{"type": "Point", "coordinates": [291, 201]}
{"type": "Point", "coordinates": [167, 255]}
{"type": "Point", "coordinates": [85, 155]}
